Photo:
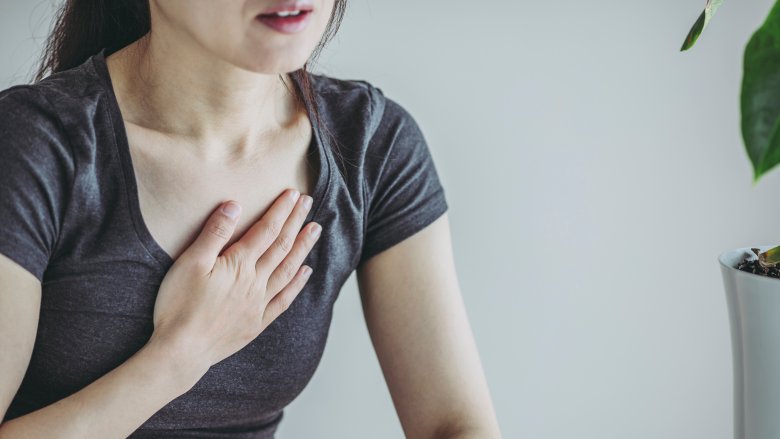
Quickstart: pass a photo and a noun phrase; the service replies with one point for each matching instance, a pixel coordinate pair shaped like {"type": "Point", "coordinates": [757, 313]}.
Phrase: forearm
{"type": "Point", "coordinates": [117, 403]}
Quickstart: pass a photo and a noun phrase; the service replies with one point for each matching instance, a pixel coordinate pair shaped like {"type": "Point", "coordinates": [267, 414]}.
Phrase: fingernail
{"type": "Point", "coordinates": [231, 209]}
{"type": "Point", "coordinates": [294, 195]}
{"type": "Point", "coordinates": [307, 202]}
{"type": "Point", "coordinates": [315, 229]}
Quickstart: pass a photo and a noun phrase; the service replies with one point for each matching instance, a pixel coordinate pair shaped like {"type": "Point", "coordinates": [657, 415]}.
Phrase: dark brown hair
{"type": "Point", "coordinates": [83, 27]}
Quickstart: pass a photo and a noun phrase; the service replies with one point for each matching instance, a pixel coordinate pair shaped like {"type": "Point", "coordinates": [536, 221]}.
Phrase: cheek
{"type": "Point", "coordinates": [210, 23]}
{"type": "Point", "coordinates": [324, 12]}
{"type": "Point", "coordinates": [316, 30]}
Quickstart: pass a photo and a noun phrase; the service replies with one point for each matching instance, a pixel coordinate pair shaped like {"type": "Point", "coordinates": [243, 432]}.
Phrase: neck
{"type": "Point", "coordinates": [189, 94]}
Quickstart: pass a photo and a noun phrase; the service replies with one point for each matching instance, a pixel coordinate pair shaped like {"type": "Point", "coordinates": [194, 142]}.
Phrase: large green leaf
{"type": "Point", "coordinates": [698, 27]}
{"type": "Point", "coordinates": [760, 98]}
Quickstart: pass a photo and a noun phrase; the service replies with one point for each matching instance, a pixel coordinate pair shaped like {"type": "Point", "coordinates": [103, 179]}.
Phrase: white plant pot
{"type": "Point", "coordinates": [754, 314]}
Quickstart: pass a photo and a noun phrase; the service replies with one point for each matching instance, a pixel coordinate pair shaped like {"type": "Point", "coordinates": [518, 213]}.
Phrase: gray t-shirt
{"type": "Point", "coordinates": [70, 214]}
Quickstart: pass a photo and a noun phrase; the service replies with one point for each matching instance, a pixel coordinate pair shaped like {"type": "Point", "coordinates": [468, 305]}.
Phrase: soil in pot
{"type": "Point", "coordinates": [755, 266]}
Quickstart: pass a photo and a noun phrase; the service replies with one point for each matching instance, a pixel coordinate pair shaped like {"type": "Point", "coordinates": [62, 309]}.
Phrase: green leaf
{"type": "Point", "coordinates": [771, 256]}
{"type": "Point", "coordinates": [698, 27]}
{"type": "Point", "coordinates": [760, 96]}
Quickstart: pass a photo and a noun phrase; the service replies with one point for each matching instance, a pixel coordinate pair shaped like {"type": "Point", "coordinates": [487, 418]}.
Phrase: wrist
{"type": "Point", "coordinates": [176, 361]}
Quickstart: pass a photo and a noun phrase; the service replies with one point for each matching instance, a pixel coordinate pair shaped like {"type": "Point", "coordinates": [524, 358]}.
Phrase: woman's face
{"type": "Point", "coordinates": [230, 30]}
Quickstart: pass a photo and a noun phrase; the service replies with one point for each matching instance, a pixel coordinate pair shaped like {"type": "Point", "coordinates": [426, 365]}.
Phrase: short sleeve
{"type": "Point", "coordinates": [36, 173]}
{"type": "Point", "coordinates": [403, 191]}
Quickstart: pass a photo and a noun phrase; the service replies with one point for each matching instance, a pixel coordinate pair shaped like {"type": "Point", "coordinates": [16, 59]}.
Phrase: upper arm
{"type": "Point", "coordinates": [37, 175]}
{"type": "Point", "coordinates": [402, 188]}
{"type": "Point", "coordinates": [419, 329]}
{"type": "Point", "coordinates": [409, 289]}
{"type": "Point", "coordinates": [20, 300]}
{"type": "Point", "coordinates": [36, 179]}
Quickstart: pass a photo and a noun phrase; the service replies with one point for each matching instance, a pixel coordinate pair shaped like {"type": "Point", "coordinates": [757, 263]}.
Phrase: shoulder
{"type": "Point", "coordinates": [30, 123]}
{"type": "Point", "coordinates": [44, 117]}
{"type": "Point", "coordinates": [376, 133]}
{"type": "Point", "coordinates": [38, 120]}
{"type": "Point", "coordinates": [59, 96]}
{"type": "Point", "coordinates": [66, 92]}
{"type": "Point", "coordinates": [23, 102]}
{"type": "Point", "coordinates": [358, 104]}
{"type": "Point", "coordinates": [366, 122]}
{"type": "Point", "coordinates": [353, 89]}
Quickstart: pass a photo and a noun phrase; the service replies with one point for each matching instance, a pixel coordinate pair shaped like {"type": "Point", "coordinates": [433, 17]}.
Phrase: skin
{"type": "Point", "coordinates": [200, 95]}
{"type": "Point", "coordinates": [421, 334]}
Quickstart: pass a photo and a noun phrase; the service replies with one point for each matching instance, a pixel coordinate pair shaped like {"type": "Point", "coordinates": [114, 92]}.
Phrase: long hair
{"type": "Point", "coordinates": [83, 27]}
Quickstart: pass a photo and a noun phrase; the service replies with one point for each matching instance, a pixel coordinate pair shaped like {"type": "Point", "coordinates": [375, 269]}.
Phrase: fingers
{"type": "Point", "coordinates": [283, 272]}
{"type": "Point", "coordinates": [285, 241]}
{"type": "Point", "coordinates": [215, 234]}
{"type": "Point", "coordinates": [264, 232]}
{"type": "Point", "coordinates": [282, 301]}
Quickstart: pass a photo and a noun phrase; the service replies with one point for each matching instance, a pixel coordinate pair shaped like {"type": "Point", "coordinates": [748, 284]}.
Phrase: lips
{"type": "Point", "coordinates": [289, 6]}
{"type": "Point", "coordinates": [288, 25]}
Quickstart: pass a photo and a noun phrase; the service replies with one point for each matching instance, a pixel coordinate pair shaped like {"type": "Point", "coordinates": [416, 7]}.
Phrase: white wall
{"type": "Point", "coordinates": [594, 173]}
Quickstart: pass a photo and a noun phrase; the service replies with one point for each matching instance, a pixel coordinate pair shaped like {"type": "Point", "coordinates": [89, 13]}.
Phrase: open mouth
{"type": "Point", "coordinates": [287, 15]}
{"type": "Point", "coordinates": [287, 21]}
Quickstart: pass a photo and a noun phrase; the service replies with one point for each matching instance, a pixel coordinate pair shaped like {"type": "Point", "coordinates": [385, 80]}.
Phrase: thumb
{"type": "Point", "coordinates": [215, 234]}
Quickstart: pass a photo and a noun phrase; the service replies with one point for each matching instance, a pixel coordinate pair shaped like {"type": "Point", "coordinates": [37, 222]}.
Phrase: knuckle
{"type": "Point", "coordinates": [235, 253]}
{"type": "Point", "coordinates": [288, 269]}
{"type": "Point", "coordinates": [270, 231]}
{"type": "Point", "coordinates": [284, 243]}
{"type": "Point", "coordinates": [313, 237]}
{"type": "Point", "coordinates": [219, 229]}
{"type": "Point", "coordinates": [242, 271]}
{"type": "Point", "coordinates": [273, 227]}
{"type": "Point", "coordinates": [231, 260]}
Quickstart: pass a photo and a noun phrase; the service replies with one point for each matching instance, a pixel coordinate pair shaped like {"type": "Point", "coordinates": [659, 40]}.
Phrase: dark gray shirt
{"type": "Point", "coordinates": [70, 215]}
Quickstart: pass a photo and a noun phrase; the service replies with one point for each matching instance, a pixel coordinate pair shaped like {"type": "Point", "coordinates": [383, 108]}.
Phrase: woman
{"type": "Point", "coordinates": [158, 230]}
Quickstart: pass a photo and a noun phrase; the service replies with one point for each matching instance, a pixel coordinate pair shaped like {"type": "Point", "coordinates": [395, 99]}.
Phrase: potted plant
{"type": "Point", "coordinates": [750, 274]}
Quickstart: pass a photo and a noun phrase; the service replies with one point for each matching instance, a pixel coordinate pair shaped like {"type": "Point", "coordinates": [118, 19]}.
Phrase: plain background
{"type": "Point", "coordinates": [594, 173]}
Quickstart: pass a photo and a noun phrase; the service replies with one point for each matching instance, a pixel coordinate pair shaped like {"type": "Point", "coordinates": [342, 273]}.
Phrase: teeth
{"type": "Point", "coordinates": [288, 13]}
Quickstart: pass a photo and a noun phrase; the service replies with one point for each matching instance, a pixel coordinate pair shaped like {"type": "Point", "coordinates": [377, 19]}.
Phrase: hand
{"type": "Point", "coordinates": [210, 305]}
